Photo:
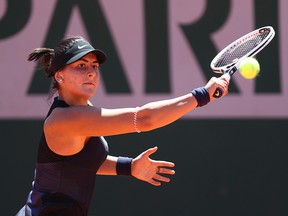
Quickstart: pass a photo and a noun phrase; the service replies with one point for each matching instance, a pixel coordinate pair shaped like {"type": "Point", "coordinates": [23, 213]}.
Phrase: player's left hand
{"type": "Point", "coordinates": [151, 171]}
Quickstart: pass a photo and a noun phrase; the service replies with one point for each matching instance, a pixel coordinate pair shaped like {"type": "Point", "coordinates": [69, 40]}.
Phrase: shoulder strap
{"type": "Point", "coordinates": [56, 103]}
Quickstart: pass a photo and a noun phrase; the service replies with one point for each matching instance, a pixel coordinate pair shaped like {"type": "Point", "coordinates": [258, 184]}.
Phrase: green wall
{"type": "Point", "coordinates": [223, 167]}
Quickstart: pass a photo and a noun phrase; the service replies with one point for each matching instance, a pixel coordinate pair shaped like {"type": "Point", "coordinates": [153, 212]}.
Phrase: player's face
{"type": "Point", "coordinates": [81, 78]}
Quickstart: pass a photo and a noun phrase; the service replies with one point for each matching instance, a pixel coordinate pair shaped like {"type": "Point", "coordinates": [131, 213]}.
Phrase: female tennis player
{"type": "Point", "coordinates": [72, 149]}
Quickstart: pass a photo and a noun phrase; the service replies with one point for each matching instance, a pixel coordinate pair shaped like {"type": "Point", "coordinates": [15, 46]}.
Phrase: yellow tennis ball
{"type": "Point", "coordinates": [249, 68]}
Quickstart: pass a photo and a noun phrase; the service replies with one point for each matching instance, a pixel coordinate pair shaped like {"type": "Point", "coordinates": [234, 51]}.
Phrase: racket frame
{"type": "Point", "coordinates": [230, 69]}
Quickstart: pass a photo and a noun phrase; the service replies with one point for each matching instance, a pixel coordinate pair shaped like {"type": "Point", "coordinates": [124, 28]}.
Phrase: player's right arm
{"type": "Point", "coordinates": [92, 121]}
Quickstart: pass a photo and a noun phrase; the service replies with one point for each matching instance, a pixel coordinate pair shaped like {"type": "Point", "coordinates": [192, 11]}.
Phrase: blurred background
{"type": "Point", "coordinates": [230, 156]}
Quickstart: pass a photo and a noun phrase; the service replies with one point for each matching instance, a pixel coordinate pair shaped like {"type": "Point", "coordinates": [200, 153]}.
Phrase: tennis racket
{"type": "Point", "coordinates": [228, 60]}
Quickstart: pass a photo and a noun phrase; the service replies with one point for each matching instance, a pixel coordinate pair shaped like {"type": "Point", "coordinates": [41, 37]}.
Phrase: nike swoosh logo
{"type": "Point", "coordinates": [81, 47]}
{"type": "Point", "coordinates": [217, 94]}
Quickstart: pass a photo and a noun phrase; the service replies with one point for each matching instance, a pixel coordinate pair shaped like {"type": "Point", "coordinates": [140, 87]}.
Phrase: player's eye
{"type": "Point", "coordinates": [81, 65]}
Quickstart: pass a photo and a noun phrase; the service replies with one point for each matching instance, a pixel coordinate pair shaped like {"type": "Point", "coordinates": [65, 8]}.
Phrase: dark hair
{"type": "Point", "coordinates": [46, 57]}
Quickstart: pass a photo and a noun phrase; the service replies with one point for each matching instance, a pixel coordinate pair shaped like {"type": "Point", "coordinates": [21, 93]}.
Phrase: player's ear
{"type": "Point", "coordinates": [58, 77]}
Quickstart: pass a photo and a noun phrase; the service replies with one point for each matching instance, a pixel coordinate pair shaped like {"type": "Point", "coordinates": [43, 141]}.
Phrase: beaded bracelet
{"type": "Point", "coordinates": [202, 96]}
{"type": "Point", "coordinates": [135, 120]}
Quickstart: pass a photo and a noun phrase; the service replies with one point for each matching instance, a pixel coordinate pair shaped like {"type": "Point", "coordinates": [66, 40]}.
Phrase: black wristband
{"type": "Point", "coordinates": [123, 166]}
{"type": "Point", "coordinates": [202, 96]}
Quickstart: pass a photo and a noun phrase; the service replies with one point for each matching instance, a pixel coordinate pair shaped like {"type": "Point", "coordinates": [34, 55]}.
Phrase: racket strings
{"type": "Point", "coordinates": [241, 48]}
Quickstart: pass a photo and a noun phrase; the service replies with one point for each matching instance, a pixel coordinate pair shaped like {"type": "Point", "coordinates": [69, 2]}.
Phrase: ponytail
{"type": "Point", "coordinates": [44, 56]}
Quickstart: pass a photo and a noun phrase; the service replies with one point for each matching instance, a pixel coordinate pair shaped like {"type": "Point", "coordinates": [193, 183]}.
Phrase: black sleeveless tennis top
{"type": "Point", "coordinates": [63, 185]}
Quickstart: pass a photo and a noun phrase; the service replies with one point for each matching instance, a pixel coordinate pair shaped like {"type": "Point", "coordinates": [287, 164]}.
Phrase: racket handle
{"type": "Point", "coordinates": [218, 92]}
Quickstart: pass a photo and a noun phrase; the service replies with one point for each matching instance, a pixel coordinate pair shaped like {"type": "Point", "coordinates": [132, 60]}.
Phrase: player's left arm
{"type": "Point", "coordinates": [142, 167]}
{"type": "Point", "coordinates": [108, 167]}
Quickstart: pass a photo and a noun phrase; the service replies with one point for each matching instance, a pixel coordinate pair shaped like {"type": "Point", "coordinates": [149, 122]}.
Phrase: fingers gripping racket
{"type": "Point", "coordinates": [228, 60]}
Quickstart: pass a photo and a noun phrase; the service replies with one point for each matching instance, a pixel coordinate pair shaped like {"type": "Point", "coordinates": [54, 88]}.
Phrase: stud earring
{"type": "Point", "coordinates": [60, 80]}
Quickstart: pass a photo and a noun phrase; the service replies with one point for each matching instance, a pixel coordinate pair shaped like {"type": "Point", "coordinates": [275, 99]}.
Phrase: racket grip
{"type": "Point", "coordinates": [218, 92]}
